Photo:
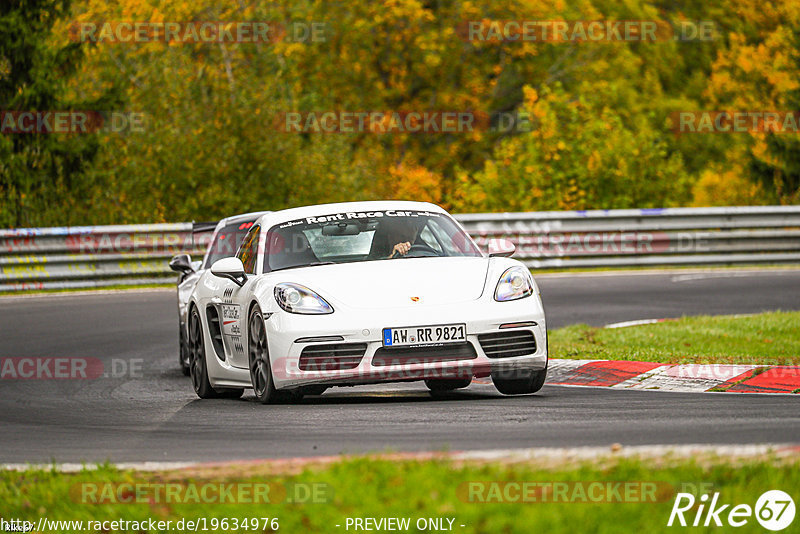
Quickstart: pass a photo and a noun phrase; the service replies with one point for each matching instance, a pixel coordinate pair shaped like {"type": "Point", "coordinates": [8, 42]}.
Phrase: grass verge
{"type": "Point", "coordinates": [115, 287]}
{"type": "Point", "coordinates": [771, 338]}
{"type": "Point", "coordinates": [669, 268]}
{"type": "Point", "coordinates": [410, 489]}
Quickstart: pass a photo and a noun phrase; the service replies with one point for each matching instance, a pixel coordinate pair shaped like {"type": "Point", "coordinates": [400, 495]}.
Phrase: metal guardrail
{"type": "Point", "coordinates": [645, 237]}
{"type": "Point", "coordinates": [93, 256]}
{"type": "Point", "coordinates": [97, 256]}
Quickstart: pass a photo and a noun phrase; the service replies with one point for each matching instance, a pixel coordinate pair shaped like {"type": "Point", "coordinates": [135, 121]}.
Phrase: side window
{"type": "Point", "coordinates": [248, 251]}
{"type": "Point", "coordinates": [429, 239]}
{"type": "Point", "coordinates": [442, 237]}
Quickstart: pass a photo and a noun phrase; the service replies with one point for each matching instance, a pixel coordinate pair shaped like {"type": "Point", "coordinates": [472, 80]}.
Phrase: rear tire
{"type": "Point", "coordinates": [519, 382]}
{"type": "Point", "coordinates": [258, 357]}
{"type": "Point", "coordinates": [184, 356]}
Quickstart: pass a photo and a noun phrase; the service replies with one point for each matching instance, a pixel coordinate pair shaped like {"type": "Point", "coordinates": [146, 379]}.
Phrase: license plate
{"type": "Point", "coordinates": [414, 336]}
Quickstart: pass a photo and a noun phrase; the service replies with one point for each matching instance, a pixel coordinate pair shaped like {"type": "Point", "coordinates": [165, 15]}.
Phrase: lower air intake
{"type": "Point", "coordinates": [412, 355]}
{"type": "Point", "coordinates": [508, 344]}
{"type": "Point", "coordinates": [333, 357]}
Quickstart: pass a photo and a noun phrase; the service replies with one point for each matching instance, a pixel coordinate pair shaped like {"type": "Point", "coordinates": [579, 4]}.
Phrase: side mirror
{"type": "Point", "coordinates": [501, 247]}
{"type": "Point", "coordinates": [230, 268]}
{"type": "Point", "coordinates": [182, 263]}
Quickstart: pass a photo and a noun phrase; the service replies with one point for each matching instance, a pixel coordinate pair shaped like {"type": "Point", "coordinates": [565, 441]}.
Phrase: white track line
{"type": "Point", "coordinates": [537, 453]}
{"type": "Point", "coordinates": [639, 322]}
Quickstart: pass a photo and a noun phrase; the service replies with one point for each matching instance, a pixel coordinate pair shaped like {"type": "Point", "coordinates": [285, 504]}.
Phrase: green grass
{"type": "Point", "coordinates": [415, 489]}
{"type": "Point", "coordinates": [667, 267]}
{"type": "Point", "coordinates": [116, 287]}
{"type": "Point", "coordinates": [768, 338]}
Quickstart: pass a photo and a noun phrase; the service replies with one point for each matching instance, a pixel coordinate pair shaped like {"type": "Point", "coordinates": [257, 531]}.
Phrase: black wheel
{"type": "Point", "coordinates": [519, 381]}
{"type": "Point", "coordinates": [198, 369]}
{"type": "Point", "coordinates": [439, 385]}
{"type": "Point", "coordinates": [184, 356]}
{"type": "Point", "coordinates": [260, 370]}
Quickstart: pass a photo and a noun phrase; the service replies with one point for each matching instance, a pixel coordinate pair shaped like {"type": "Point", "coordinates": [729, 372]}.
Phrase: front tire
{"type": "Point", "coordinates": [258, 356]}
{"type": "Point", "coordinates": [198, 367]}
{"type": "Point", "coordinates": [519, 382]}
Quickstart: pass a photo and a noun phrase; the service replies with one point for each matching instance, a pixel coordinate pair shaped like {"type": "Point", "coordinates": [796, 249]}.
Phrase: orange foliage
{"type": "Point", "coordinates": [414, 182]}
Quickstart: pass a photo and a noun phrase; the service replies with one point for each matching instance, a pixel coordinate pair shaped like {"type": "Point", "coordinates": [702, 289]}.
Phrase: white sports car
{"type": "Point", "coordinates": [228, 235]}
{"type": "Point", "coordinates": [362, 293]}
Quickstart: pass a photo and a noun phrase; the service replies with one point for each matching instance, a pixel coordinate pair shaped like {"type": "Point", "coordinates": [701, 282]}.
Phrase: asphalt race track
{"type": "Point", "coordinates": [149, 412]}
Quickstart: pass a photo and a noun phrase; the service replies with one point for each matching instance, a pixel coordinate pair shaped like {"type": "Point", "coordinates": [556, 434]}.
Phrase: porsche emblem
{"type": "Point", "coordinates": [415, 299]}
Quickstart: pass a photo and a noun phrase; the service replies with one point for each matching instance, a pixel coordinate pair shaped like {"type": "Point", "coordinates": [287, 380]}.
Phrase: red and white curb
{"type": "Point", "coordinates": [688, 377]}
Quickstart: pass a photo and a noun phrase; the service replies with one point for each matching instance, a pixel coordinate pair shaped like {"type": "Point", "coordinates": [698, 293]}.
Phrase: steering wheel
{"type": "Point", "coordinates": [421, 250]}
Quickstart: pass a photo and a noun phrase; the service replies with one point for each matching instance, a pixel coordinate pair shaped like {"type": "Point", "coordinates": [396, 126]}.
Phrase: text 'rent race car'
{"type": "Point", "coordinates": [361, 293]}
{"type": "Point", "coordinates": [225, 241]}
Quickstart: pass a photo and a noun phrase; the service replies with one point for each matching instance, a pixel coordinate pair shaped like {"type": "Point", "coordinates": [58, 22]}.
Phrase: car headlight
{"type": "Point", "coordinates": [295, 298]}
{"type": "Point", "coordinates": [514, 284]}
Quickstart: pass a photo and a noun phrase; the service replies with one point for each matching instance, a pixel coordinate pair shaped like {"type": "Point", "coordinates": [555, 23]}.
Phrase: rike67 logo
{"type": "Point", "coordinates": [774, 510]}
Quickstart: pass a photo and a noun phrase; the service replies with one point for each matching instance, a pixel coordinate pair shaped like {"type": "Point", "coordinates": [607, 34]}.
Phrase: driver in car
{"type": "Point", "coordinates": [403, 234]}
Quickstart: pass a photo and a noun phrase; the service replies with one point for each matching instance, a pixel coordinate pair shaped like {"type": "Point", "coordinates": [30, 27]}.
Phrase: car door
{"type": "Point", "coordinates": [235, 301]}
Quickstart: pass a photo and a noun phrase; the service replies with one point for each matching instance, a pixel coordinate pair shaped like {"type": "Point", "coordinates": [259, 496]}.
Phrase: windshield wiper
{"type": "Point", "coordinates": [312, 264]}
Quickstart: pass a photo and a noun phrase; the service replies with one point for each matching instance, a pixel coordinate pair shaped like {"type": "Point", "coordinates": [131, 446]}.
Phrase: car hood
{"type": "Point", "coordinates": [396, 283]}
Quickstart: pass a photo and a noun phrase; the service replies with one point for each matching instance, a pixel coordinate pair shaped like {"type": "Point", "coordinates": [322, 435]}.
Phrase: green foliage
{"type": "Point", "coordinates": [581, 154]}
{"type": "Point", "coordinates": [756, 70]}
{"type": "Point", "coordinates": [600, 134]}
{"type": "Point", "coordinates": [780, 173]}
{"type": "Point", "coordinates": [38, 172]}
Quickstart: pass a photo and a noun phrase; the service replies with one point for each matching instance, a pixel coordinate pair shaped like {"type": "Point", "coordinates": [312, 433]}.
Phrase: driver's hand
{"type": "Point", "coordinates": [401, 248]}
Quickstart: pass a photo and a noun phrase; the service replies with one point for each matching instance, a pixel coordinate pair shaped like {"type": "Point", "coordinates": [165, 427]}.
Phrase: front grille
{"type": "Point", "coordinates": [412, 355]}
{"type": "Point", "coordinates": [333, 357]}
{"type": "Point", "coordinates": [508, 344]}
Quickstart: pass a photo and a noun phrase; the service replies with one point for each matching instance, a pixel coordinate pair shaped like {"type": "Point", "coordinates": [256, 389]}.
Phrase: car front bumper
{"type": "Point", "coordinates": [289, 334]}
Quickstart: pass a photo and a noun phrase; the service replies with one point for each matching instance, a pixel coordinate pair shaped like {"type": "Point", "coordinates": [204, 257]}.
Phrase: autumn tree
{"type": "Point", "coordinates": [599, 134]}
{"type": "Point", "coordinates": [40, 174]}
{"type": "Point", "coordinates": [756, 72]}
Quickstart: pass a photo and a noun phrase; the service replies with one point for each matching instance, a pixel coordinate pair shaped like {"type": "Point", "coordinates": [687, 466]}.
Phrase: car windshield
{"type": "Point", "coordinates": [226, 242]}
{"type": "Point", "coordinates": [364, 236]}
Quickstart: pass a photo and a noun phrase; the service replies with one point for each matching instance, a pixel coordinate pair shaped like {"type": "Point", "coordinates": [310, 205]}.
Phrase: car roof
{"type": "Point", "coordinates": [290, 214]}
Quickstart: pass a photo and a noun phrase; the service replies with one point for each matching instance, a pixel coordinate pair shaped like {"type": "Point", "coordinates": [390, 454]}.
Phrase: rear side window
{"type": "Point", "coordinates": [248, 251]}
{"type": "Point", "coordinates": [227, 241]}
